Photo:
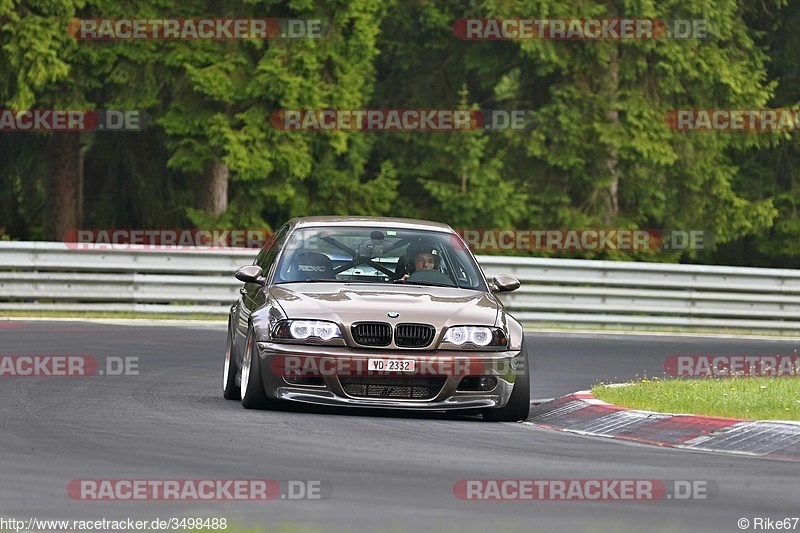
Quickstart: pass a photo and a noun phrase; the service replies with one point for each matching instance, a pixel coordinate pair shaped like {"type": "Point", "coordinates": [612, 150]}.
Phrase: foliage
{"type": "Point", "coordinates": [600, 154]}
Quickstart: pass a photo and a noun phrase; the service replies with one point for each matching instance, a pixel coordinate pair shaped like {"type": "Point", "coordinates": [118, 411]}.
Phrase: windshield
{"type": "Point", "coordinates": [378, 255]}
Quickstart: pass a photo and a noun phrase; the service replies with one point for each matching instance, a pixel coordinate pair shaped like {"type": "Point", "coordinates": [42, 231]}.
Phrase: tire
{"type": "Point", "coordinates": [230, 390]}
{"type": "Point", "coordinates": [253, 395]}
{"type": "Point", "coordinates": [519, 405]}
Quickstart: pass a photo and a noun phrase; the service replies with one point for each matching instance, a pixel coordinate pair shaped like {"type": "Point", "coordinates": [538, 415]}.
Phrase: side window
{"type": "Point", "coordinates": [270, 250]}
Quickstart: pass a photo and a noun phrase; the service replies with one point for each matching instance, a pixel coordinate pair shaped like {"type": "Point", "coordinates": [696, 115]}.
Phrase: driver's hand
{"type": "Point", "coordinates": [405, 277]}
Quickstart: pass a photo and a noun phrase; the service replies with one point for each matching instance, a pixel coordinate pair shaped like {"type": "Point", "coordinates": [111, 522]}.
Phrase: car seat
{"type": "Point", "coordinates": [310, 265]}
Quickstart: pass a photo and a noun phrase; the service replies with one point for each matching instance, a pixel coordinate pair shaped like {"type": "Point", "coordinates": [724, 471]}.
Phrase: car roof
{"type": "Point", "coordinates": [373, 222]}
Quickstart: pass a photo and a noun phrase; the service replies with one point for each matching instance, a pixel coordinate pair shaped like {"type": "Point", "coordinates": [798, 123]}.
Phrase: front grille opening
{"type": "Point", "coordinates": [413, 388]}
{"type": "Point", "coordinates": [413, 335]}
{"type": "Point", "coordinates": [372, 333]}
{"type": "Point", "coordinates": [469, 383]}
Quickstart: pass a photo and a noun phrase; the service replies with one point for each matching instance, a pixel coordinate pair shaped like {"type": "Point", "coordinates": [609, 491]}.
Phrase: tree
{"type": "Point", "coordinates": [294, 173]}
{"type": "Point", "coordinates": [36, 69]}
{"type": "Point", "coordinates": [602, 151]}
{"type": "Point", "coordinates": [456, 177]}
{"type": "Point", "coordinates": [42, 66]}
{"type": "Point", "coordinates": [774, 172]}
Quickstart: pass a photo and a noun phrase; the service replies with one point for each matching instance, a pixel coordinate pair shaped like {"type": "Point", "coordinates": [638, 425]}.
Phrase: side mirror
{"type": "Point", "coordinates": [505, 283]}
{"type": "Point", "coordinates": [251, 274]}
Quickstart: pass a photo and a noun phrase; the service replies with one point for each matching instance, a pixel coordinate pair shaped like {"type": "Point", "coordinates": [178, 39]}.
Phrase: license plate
{"type": "Point", "coordinates": [391, 365]}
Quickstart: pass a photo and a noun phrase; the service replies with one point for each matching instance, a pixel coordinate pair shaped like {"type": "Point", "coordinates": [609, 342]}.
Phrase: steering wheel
{"type": "Point", "coordinates": [430, 276]}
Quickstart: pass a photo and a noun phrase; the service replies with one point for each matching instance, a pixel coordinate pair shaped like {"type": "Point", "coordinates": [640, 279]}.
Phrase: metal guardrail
{"type": "Point", "coordinates": [564, 292]}
{"type": "Point", "coordinates": [51, 276]}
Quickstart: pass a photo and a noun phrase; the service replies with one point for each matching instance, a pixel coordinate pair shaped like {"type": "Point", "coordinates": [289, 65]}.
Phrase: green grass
{"type": "Point", "coordinates": [758, 398]}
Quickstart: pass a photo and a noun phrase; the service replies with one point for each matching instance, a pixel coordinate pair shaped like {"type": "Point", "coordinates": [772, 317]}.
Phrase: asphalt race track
{"type": "Point", "coordinates": [381, 471]}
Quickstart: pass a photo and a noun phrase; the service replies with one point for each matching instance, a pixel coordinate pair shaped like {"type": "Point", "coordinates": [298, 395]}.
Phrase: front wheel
{"type": "Point", "coordinates": [253, 395]}
{"type": "Point", "coordinates": [519, 405]}
{"type": "Point", "coordinates": [230, 389]}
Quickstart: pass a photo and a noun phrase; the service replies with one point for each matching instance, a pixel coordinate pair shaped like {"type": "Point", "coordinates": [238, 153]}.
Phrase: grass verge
{"type": "Point", "coordinates": [757, 398]}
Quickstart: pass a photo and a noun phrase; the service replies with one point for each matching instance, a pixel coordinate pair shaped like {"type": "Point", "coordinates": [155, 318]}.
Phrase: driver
{"type": "Point", "coordinates": [425, 261]}
{"type": "Point", "coordinates": [421, 256]}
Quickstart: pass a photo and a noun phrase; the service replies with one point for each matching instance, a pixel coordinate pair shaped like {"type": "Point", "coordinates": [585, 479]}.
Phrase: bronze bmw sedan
{"type": "Point", "coordinates": [374, 312]}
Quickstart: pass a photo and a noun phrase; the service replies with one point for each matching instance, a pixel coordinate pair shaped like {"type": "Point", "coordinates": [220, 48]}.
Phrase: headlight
{"type": "Point", "coordinates": [477, 335]}
{"type": "Point", "coordinates": [305, 329]}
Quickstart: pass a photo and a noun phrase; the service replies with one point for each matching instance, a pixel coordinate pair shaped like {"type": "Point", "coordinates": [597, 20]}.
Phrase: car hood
{"type": "Point", "coordinates": [346, 304]}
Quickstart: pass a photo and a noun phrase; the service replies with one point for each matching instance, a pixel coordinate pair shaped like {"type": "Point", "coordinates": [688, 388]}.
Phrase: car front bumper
{"type": "Point", "coordinates": [449, 366]}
